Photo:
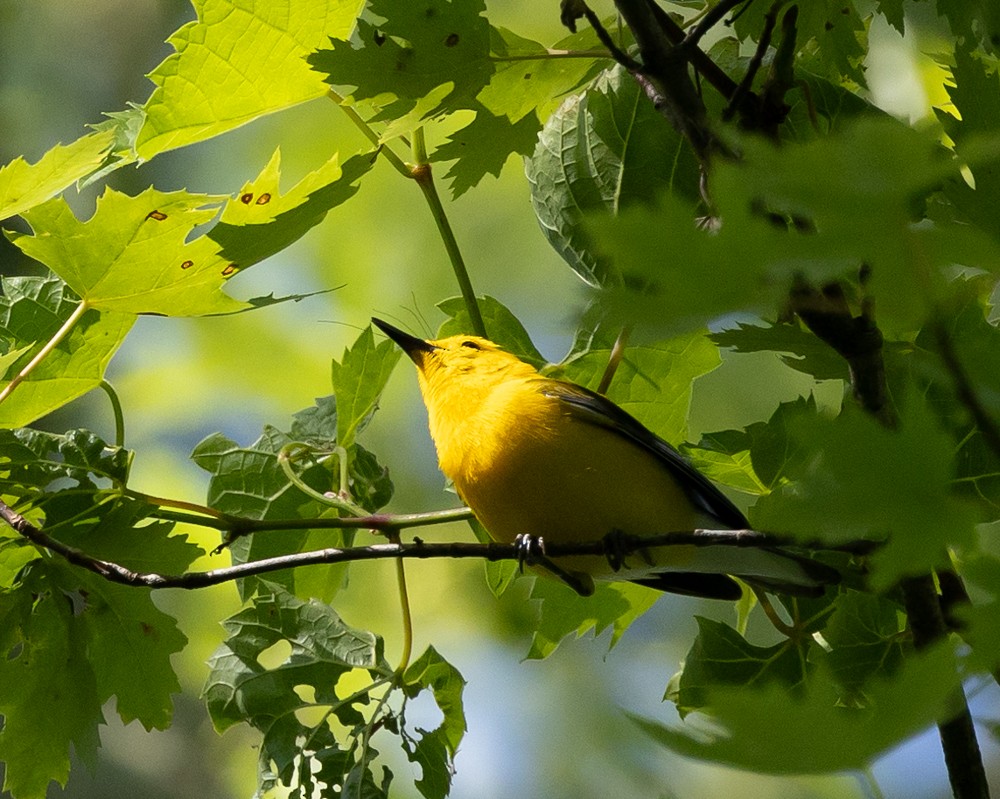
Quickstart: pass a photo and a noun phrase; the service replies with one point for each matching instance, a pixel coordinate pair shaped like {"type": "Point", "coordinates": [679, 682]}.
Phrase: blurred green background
{"type": "Point", "coordinates": [551, 728]}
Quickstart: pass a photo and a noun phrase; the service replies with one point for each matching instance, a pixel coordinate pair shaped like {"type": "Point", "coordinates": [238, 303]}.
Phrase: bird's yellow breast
{"type": "Point", "coordinates": [525, 464]}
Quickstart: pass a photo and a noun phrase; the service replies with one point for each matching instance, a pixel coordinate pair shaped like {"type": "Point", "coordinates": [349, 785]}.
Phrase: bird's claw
{"type": "Point", "coordinates": [531, 551]}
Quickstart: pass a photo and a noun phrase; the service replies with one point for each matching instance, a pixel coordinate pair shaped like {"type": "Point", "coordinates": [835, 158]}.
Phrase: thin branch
{"type": "Point", "coordinates": [425, 180]}
{"type": "Point", "coordinates": [623, 545]}
{"type": "Point", "coordinates": [615, 359]}
{"type": "Point", "coordinates": [572, 10]}
{"type": "Point", "coordinates": [963, 387]}
{"type": "Point", "coordinates": [709, 20]}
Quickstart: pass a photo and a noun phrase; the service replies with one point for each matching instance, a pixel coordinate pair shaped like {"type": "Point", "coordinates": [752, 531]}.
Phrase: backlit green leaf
{"type": "Point", "coordinates": [236, 63]}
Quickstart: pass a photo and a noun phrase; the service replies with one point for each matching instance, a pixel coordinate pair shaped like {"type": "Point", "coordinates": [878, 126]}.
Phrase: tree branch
{"type": "Point", "coordinates": [622, 545]}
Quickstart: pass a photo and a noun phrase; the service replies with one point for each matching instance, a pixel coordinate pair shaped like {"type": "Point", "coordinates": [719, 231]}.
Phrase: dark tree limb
{"type": "Point", "coordinates": [621, 545]}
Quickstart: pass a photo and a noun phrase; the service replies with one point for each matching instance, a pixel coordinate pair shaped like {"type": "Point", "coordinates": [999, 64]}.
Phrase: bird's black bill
{"type": "Point", "coordinates": [411, 345]}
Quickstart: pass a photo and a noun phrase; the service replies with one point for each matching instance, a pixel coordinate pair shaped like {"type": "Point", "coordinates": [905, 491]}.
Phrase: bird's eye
{"type": "Point", "coordinates": [471, 345]}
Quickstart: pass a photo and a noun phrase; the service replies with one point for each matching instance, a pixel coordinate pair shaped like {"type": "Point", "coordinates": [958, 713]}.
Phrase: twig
{"type": "Point", "coordinates": [117, 573]}
{"type": "Point", "coordinates": [615, 359]}
{"type": "Point", "coordinates": [708, 21]}
{"type": "Point", "coordinates": [963, 387]}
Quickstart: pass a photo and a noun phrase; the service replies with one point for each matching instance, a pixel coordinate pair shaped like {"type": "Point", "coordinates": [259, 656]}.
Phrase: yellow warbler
{"type": "Point", "coordinates": [531, 455]}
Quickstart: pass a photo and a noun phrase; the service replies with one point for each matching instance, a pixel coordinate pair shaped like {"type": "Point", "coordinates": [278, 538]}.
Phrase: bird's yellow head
{"type": "Point", "coordinates": [457, 376]}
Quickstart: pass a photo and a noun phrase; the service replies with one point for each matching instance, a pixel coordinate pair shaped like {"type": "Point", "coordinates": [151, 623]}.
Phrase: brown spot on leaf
{"type": "Point", "coordinates": [187, 264]}
{"type": "Point", "coordinates": [159, 216]}
{"type": "Point", "coordinates": [246, 198]}
{"type": "Point", "coordinates": [828, 26]}
{"type": "Point", "coordinates": [452, 40]}
{"type": "Point", "coordinates": [229, 270]}
{"type": "Point", "coordinates": [264, 199]}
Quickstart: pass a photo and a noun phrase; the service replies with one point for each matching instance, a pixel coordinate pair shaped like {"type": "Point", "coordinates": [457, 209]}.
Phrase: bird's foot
{"type": "Point", "coordinates": [531, 551]}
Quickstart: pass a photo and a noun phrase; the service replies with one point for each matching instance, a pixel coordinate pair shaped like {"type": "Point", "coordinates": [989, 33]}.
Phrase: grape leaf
{"type": "Point", "coordinates": [438, 47]}
{"type": "Point", "coordinates": [358, 381]}
{"type": "Point", "coordinates": [249, 481]}
{"type": "Point", "coordinates": [24, 185]}
{"type": "Point", "coordinates": [321, 650]}
{"type": "Point", "coordinates": [235, 63]}
{"type": "Point", "coordinates": [32, 310]}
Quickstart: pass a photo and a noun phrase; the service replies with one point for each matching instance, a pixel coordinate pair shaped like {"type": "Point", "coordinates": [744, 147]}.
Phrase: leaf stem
{"type": "Point", "coordinates": [50, 345]}
{"type": "Point", "coordinates": [552, 53]}
{"type": "Point", "coordinates": [116, 409]}
{"type": "Point", "coordinates": [425, 180]}
{"type": "Point", "coordinates": [397, 163]}
{"type": "Point", "coordinates": [404, 605]}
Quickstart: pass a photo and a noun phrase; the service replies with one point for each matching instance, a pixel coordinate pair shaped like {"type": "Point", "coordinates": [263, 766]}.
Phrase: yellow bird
{"type": "Point", "coordinates": [534, 456]}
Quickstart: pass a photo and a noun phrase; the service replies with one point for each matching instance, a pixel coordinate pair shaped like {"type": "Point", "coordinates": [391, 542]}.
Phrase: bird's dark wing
{"type": "Point", "coordinates": [596, 409]}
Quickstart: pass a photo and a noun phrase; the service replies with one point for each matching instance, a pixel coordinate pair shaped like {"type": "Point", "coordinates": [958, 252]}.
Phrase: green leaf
{"type": "Point", "coordinates": [807, 353]}
{"type": "Point", "coordinates": [771, 732]}
{"type": "Point", "coordinates": [32, 310]}
{"type": "Point", "coordinates": [867, 634]}
{"type": "Point", "coordinates": [502, 327]}
{"type": "Point", "coordinates": [322, 648]}
{"type": "Point", "coordinates": [436, 749]}
{"type": "Point", "coordinates": [130, 643]}
{"type": "Point", "coordinates": [249, 481]}
{"type": "Point", "coordinates": [601, 152]}
{"type": "Point", "coordinates": [358, 381]}
{"type": "Point", "coordinates": [24, 185]}
{"type": "Point", "coordinates": [33, 459]}
{"type": "Point", "coordinates": [854, 479]}
{"type": "Point", "coordinates": [770, 445]}
{"type": "Point", "coordinates": [833, 29]}
{"type": "Point", "coordinates": [564, 612]}
{"type": "Point", "coordinates": [48, 692]}
{"type": "Point", "coordinates": [523, 85]}
{"type": "Point", "coordinates": [312, 649]}
{"type": "Point", "coordinates": [483, 146]}
{"type": "Point", "coordinates": [679, 276]}
{"type": "Point", "coordinates": [721, 656]}
{"type": "Point", "coordinates": [500, 574]}
{"type": "Point", "coordinates": [133, 256]}
{"type": "Point", "coordinates": [653, 382]}
{"type": "Point", "coordinates": [260, 221]}
{"type": "Point", "coordinates": [982, 619]}
{"type": "Point", "coordinates": [438, 48]}
{"type": "Point", "coordinates": [975, 94]}
{"type": "Point", "coordinates": [236, 63]}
